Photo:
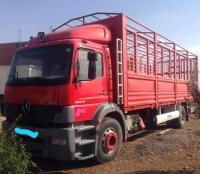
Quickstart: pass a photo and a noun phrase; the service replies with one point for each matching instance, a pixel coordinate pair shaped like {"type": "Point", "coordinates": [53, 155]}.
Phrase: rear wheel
{"type": "Point", "coordinates": [109, 140]}
{"type": "Point", "coordinates": [179, 123]}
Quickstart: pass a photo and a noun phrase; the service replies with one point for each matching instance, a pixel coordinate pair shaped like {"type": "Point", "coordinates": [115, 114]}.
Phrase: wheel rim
{"type": "Point", "coordinates": [109, 140]}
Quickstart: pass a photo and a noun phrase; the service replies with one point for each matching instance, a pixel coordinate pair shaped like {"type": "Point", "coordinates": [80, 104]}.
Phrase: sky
{"type": "Point", "coordinates": [178, 20]}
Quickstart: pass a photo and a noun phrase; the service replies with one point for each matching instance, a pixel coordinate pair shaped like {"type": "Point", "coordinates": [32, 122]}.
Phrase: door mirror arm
{"type": "Point", "coordinates": [92, 65]}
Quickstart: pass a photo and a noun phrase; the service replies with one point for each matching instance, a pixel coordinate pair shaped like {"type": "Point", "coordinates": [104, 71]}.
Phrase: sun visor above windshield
{"type": "Point", "coordinates": [94, 32]}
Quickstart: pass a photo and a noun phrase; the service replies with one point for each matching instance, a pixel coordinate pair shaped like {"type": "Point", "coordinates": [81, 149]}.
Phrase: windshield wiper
{"type": "Point", "coordinates": [54, 76]}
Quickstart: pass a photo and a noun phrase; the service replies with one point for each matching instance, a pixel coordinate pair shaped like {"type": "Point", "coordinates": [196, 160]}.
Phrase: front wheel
{"type": "Point", "coordinates": [109, 140]}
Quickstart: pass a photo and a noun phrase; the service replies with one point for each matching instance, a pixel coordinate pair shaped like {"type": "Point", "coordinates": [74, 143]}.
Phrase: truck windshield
{"type": "Point", "coordinates": [41, 64]}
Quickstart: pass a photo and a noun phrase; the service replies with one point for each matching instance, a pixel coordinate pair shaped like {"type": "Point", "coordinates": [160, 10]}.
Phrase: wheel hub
{"type": "Point", "coordinates": [110, 140]}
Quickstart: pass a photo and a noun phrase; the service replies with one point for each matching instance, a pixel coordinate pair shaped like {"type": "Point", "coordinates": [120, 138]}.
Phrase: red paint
{"type": "Point", "coordinates": [111, 141]}
{"type": "Point", "coordinates": [142, 125]}
{"type": "Point", "coordinates": [37, 95]}
{"type": "Point", "coordinates": [87, 95]}
{"type": "Point", "coordinates": [96, 33]}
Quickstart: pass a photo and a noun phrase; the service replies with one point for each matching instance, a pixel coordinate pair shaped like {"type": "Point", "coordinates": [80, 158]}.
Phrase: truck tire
{"type": "Point", "coordinates": [109, 140]}
{"type": "Point", "coordinates": [152, 119]}
{"type": "Point", "coordinates": [178, 123]}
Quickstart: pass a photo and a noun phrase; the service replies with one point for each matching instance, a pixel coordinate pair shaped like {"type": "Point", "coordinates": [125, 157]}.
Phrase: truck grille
{"type": "Point", "coordinates": [39, 116]}
{"type": "Point", "coordinates": [30, 140]}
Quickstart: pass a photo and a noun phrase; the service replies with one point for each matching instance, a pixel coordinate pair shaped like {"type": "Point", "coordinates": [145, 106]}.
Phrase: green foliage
{"type": "Point", "coordinates": [195, 92]}
{"type": "Point", "coordinates": [13, 157]}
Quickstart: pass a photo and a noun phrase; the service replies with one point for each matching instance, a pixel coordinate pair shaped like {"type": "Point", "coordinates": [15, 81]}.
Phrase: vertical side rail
{"type": "Point", "coordinates": [175, 71]}
{"type": "Point", "coordinates": [156, 69]}
{"type": "Point", "coordinates": [197, 71]}
{"type": "Point", "coordinates": [175, 62]}
{"type": "Point", "coordinates": [187, 56]}
{"type": "Point", "coordinates": [148, 69]}
{"type": "Point", "coordinates": [187, 65]}
{"type": "Point", "coordinates": [135, 51]}
{"type": "Point", "coordinates": [184, 73]}
{"type": "Point", "coordinates": [162, 61]}
{"type": "Point", "coordinates": [170, 68]}
{"type": "Point", "coordinates": [190, 73]}
{"type": "Point", "coordinates": [119, 69]}
{"type": "Point", "coordinates": [180, 69]}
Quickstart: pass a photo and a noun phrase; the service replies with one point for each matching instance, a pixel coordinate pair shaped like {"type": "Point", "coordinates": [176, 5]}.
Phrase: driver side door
{"type": "Point", "coordinates": [89, 93]}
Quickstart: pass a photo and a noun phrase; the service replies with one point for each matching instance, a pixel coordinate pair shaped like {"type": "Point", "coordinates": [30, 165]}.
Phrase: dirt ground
{"type": "Point", "coordinates": [175, 152]}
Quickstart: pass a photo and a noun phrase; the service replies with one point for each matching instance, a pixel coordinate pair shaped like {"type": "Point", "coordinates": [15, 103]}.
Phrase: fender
{"type": "Point", "coordinates": [105, 109]}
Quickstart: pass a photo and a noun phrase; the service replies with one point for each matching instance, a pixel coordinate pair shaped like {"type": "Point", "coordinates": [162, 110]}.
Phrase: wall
{"type": "Point", "coordinates": [4, 69]}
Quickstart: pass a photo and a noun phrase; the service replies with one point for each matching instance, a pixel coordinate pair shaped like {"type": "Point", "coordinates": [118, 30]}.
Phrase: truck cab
{"type": "Point", "coordinates": [54, 72]}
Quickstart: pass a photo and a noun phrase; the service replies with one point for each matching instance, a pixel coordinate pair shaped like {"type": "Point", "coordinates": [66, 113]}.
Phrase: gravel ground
{"type": "Point", "coordinates": [175, 152]}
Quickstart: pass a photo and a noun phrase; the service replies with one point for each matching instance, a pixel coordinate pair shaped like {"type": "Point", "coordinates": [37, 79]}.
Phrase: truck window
{"type": "Point", "coordinates": [83, 65]}
{"type": "Point", "coordinates": [99, 65]}
{"type": "Point", "coordinates": [28, 67]}
{"type": "Point", "coordinates": [41, 65]}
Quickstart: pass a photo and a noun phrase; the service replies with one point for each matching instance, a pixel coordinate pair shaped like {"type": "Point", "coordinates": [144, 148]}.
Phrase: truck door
{"type": "Point", "coordinates": [89, 93]}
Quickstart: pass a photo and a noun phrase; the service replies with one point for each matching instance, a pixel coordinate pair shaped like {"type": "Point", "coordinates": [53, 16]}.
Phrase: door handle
{"type": "Point", "coordinates": [103, 93]}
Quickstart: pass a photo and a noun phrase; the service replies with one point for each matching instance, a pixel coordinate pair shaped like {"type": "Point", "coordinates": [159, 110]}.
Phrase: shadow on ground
{"type": "Point", "coordinates": [161, 172]}
{"type": "Point", "coordinates": [46, 166]}
{"type": "Point", "coordinates": [144, 133]}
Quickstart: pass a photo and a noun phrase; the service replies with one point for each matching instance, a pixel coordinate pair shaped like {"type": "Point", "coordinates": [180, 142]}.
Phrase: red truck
{"type": "Point", "coordinates": [93, 82]}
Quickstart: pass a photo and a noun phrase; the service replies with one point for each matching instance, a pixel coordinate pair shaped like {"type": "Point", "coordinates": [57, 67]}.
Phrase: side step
{"type": "Point", "coordinates": [84, 128]}
{"type": "Point", "coordinates": [78, 156]}
{"type": "Point", "coordinates": [83, 142]}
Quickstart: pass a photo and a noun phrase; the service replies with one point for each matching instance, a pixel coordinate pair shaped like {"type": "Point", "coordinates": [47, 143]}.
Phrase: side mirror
{"type": "Point", "coordinates": [92, 65]}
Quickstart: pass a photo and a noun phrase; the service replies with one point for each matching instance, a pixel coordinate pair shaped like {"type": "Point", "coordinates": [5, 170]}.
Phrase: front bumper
{"type": "Point", "coordinates": [41, 146]}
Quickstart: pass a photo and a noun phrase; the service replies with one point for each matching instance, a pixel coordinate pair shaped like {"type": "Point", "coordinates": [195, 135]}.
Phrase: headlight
{"type": "Point", "coordinates": [58, 141]}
